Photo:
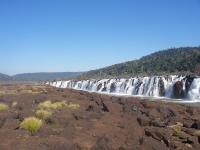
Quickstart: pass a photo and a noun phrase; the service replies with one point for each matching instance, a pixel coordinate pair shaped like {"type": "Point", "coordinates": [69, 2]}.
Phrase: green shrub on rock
{"type": "Point", "coordinates": [31, 124]}
{"type": "Point", "coordinates": [3, 107]}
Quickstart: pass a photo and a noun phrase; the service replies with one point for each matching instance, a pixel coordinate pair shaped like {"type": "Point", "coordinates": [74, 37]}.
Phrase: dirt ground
{"type": "Point", "coordinates": [100, 123]}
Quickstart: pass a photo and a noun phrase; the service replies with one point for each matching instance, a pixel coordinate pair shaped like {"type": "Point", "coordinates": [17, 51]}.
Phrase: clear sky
{"type": "Point", "coordinates": [79, 35]}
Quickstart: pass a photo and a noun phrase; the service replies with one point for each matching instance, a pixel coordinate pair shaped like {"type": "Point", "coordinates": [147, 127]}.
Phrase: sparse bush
{"type": "Point", "coordinates": [45, 105]}
{"type": "Point", "coordinates": [31, 124]}
{"type": "Point", "coordinates": [43, 114]}
{"type": "Point", "coordinates": [59, 105]}
{"type": "Point", "coordinates": [177, 130]}
{"type": "Point", "coordinates": [73, 106]}
{"type": "Point", "coordinates": [197, 133]}
{"type": "Point", "coordinates": [3, 107]}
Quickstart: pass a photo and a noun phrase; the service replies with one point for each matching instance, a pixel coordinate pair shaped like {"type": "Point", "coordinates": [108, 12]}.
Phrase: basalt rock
{"type": "Point", "coordinates": [159, 134]}
{"type": "Point", "coordinates": [178, 91]}
{"type": "Point", "coordinates": [196, 125]}
{"type": "Point", "coordinates": [99, 87]}
{"type": "Point", "coordinates": [188, 82]}
{"type": "Point", "coordinates": [161, 87]}
{"type": "Point", "coordinates": [112, 87]}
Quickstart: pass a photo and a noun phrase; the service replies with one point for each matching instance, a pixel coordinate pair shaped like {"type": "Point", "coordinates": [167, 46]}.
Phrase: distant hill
{"type": "Point", "coordinates": [39, 76]}
{"type": "Point", "coordinates": [45, 76]}
{"type": "Point", "coordinates": [171, 61]}
{"type": "Point", "coordinates": [4, 77]}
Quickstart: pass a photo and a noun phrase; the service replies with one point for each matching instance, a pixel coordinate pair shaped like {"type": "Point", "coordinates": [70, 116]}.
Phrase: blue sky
{"type": "Point", "coordinates": [79, 35]}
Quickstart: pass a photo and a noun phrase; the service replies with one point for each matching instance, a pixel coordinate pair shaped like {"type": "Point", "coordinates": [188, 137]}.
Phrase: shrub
{"type": "Point", "coordinates": [43, 114]}
{"type": "Point", "coordinates": [45, 105]}
{"type": "Point", "coordinates": [73, 106]}
{"type": "Point", "coordinates": [197, 133]}
{"type": "Point", "coordinates": [177, 130]}
{"type": "Point", "coordinates": [3, 107]}
{"type": "Point", "coordinates": [31, 124]}
{"type": "Point", "coordinates": [59, 105]}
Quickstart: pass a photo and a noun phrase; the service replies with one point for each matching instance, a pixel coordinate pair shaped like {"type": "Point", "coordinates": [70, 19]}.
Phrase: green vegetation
{"type": "Point", "coordinates": [43, 114]}
{"type": "Point", "coordinates": [172, 61]}
{"type": "Point", "coordinates": [58, 105]}
{"type": "Point", "coordinates": [48, 105]}
{"type": "Point", "coordinates": [177, 130]}
{"type": "Point", "coordinates": [31, 124]}
{"type": "Point", "coordinates": [3, 107]}
{"type": "Point", "coordinates": [73, 106]}
{"type": "Point", "coordinates": [197, 133]}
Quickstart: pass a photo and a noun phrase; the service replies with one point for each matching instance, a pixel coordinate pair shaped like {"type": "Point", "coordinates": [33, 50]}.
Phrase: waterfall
{"type": "Point", "coordinates": [183, 87]}
{"type": "Point", "coordinates": [194, 92]}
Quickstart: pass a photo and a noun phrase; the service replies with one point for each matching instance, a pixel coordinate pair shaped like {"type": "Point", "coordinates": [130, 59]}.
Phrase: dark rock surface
{"type": "Point", "coordinates": [101, 123]}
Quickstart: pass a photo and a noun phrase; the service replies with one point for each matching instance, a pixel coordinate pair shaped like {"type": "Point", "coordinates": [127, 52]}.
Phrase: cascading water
{"type": "Point", "coordinates": [194, 92]}
{"type": "Point", "coordinates": [182, 87]}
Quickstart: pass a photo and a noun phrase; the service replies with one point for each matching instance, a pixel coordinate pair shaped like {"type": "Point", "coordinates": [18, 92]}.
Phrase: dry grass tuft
{"type": "Point", "coordinates": [43, 114]}
{"type": "Point", "coordinates": [48, 105]}
{"type": "Point", "coordinates": [3, 107]}
{"type": "Point", "coordinates": [31, 124]}
{"type": "Point", "coordinates": [73, 106]}
{"type": "Point", "coordinates": [45, 105]}
{"type": "Point", "coordinates": [197, 133]}
{"type": "Point", "coordinates": [177, 129]}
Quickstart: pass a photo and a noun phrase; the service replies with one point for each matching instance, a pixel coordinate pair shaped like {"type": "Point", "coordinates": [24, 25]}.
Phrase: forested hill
{"type": "Point", "coordinates": [171, 61]}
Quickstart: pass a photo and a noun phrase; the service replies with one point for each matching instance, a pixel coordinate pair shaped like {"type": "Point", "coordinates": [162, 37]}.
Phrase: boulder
{"type": "Point", "coordinates": [196, 125]}
{"type": "Point", "coordinates": [159, 134]}
{"type": "Point", "coordinates": [166, 112]}
{"type": "Point", "coordinates": [158, 123]}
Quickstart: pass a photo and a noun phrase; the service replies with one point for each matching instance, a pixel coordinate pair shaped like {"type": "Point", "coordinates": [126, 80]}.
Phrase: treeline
{"type": "Point", "coordinates": [183, 60]}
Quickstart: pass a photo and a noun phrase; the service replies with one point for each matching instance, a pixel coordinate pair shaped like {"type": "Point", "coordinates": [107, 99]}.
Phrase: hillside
{"type": "Point", "coordinates": [171, 61]}
{"type": "Point", "coordinates": [39, 76]}
{"type": "Point", "coordinates": [4, 77]}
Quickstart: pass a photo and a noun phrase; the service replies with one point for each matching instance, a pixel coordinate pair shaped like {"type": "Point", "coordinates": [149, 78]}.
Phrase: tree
{"type": "Point", "coordinates": [197, 71]}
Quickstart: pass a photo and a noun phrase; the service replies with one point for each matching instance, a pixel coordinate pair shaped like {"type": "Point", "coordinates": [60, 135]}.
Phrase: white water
{"type": "Point", "coordinates": [194, 93]}
{"type": "Point", "coordinates": [138, 86]}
